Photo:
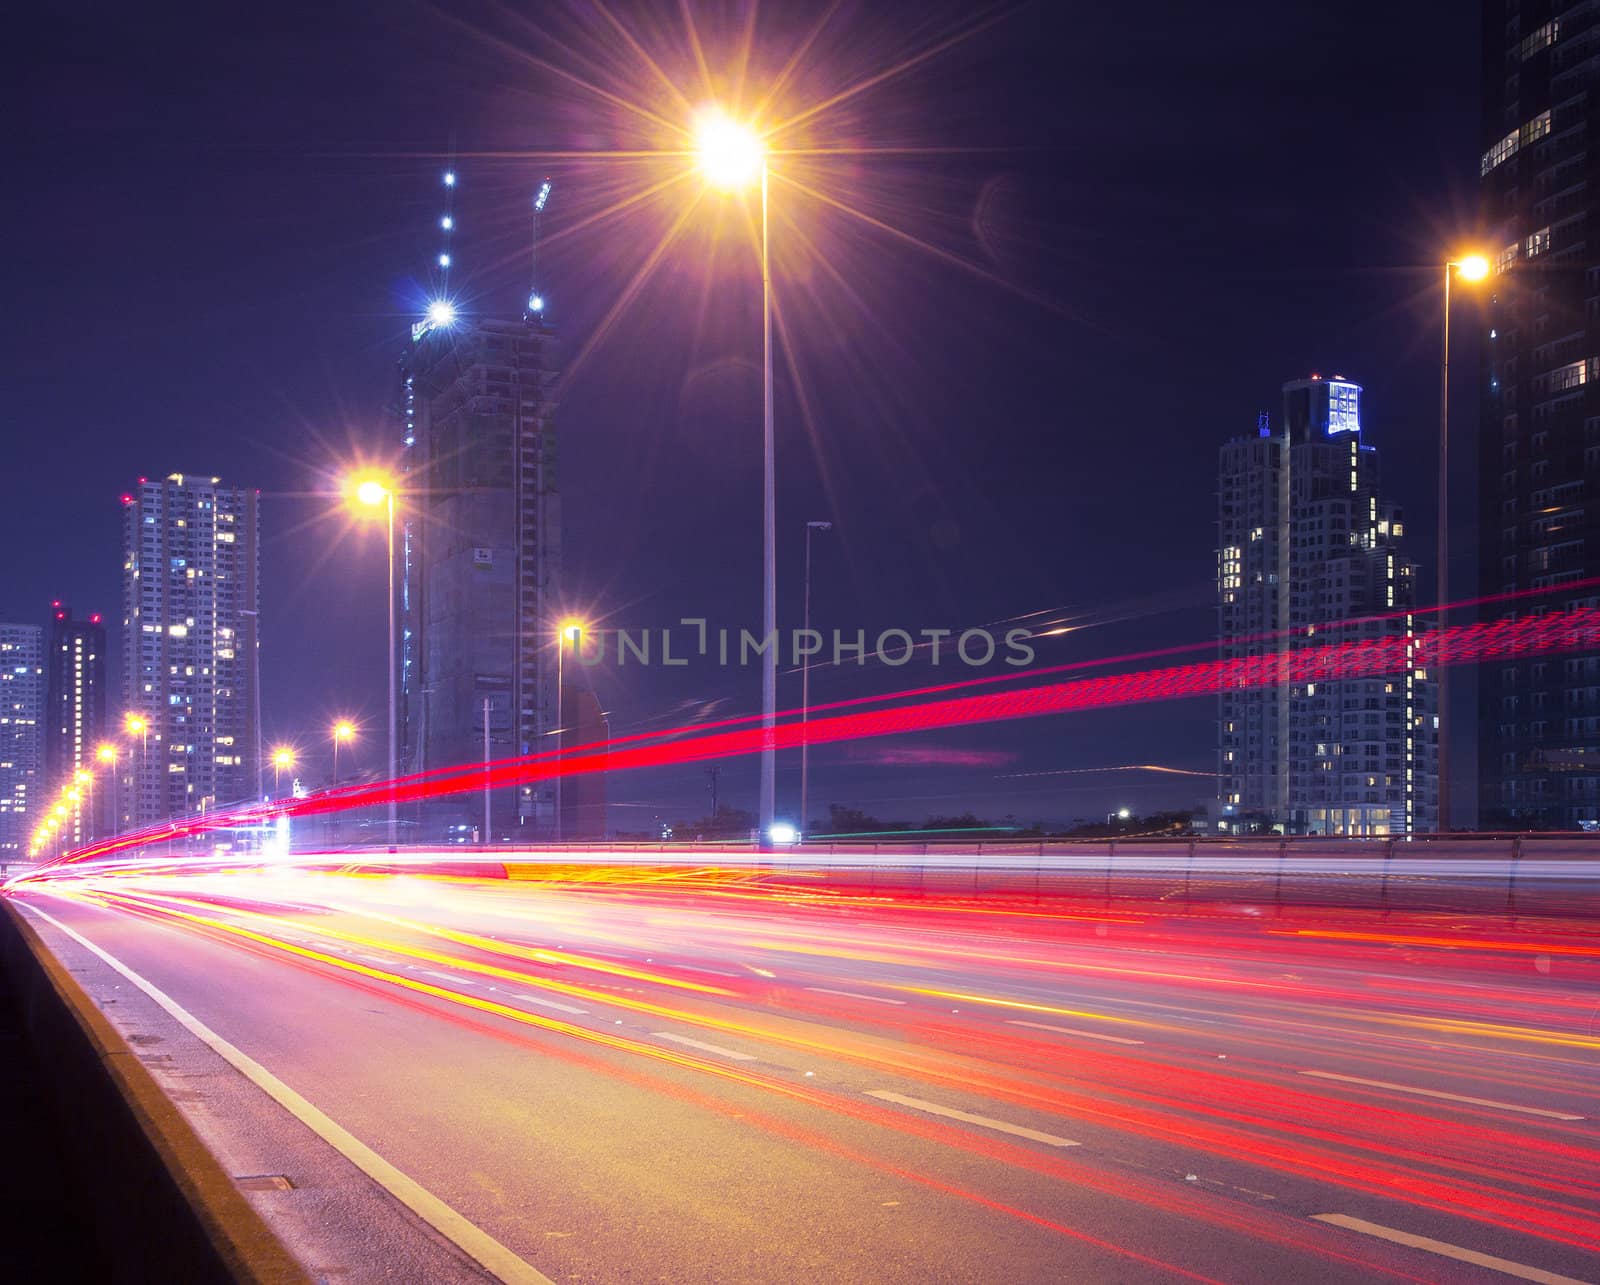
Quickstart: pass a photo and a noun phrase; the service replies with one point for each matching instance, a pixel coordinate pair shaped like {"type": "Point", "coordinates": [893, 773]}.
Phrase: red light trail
{"type": "Point", "coordinates": [1549, 633]}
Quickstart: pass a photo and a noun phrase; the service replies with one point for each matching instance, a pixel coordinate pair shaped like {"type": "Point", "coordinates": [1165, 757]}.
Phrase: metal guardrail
{"type": "Point", "coordinates": [1530, 874]}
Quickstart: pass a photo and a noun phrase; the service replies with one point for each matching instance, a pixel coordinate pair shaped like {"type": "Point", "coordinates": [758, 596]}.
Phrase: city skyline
{"type": "Point", "coordinates": [875, 641]}
{"type": "Point", "coordinates": [971, 558]}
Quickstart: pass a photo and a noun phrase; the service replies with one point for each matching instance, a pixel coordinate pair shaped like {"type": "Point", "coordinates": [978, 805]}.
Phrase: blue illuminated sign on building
{"type": "Point", "coordinates": [1344, 407]}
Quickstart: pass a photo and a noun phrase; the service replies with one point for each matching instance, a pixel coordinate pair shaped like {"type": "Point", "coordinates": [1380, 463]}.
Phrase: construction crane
{"type": "Point", "coordinates": [535, 299]}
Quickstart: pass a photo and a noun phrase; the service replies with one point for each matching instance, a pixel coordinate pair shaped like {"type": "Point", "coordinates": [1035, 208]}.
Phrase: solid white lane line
{"type": "Point", "coordinates": [550, 1003]}
{"type": "Point", "coordinates": [1072, 1030]}
{"type": "Point", "coordinates": [1434, 1093]}
{"type": "Point", "coordinates": [933, 1108]}
{"type": "Point", "coordinates": [876, 999]}
{"type": "Point", "coordinates": [1519, 1270]}
{"type": "Point", "coordinates": [454, 1227]}
{"type": "Point", "coordinates": [704, 1047]}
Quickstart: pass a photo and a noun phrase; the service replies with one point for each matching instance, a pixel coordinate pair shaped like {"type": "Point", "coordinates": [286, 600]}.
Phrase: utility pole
{"type": "Point", "coordinates": [486, 830]}
{"type": "Point", "coordinates": [712, 773]}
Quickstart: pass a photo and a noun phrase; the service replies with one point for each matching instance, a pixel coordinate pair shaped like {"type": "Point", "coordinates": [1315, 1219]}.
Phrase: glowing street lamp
{"type": "Point", "coordinates": [570, 632]}
{"type": "Point", "coordinates": [138, 725]}
{"type": "Point", "coordinates": [343, 730]}
{"type": "Point", "coordinates": [282, 757]}
{"type": "Point", "coordinates": [372, 493]}
{"type": "Point", "coordinates": [1470, 268]}
{"type": "Point", "coordinates": [733, 157]}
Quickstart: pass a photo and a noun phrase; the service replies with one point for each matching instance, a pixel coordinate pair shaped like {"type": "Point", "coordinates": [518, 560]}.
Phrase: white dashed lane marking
{"type": "Point", "coordinates": [1446, 1250]}
{"type": "Point", "coordinates": [550, 1003]}
{"type": "Point", "coordinates": [1435, 1093]}
{"type": "Point", "coordinates": [1070, 1030]}
{"type": "Point", "coordinates": [967, 1117]}
{"type": "Point", "coordinates": [704, 1047]}
{"type": "Point", "coordinates": [875, 999]}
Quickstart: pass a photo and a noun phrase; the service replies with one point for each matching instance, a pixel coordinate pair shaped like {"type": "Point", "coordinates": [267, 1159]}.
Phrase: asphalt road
{"type": "Point", "coordinates": [609, 1075]}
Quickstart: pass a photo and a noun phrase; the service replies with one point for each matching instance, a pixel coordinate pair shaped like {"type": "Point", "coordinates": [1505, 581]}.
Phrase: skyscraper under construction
{"type": "Point", "coordinates": [480, 547]}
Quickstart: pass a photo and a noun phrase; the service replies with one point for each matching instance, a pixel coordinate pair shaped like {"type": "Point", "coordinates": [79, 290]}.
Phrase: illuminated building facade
{"type": "Point", "coordinates": [21, 736]}
{"type": "Point", "coordinates": [191, 598]}
{"type": "Point", "coordinates": [75, 709]}
{"type": "Point", "coordinates": [481, 554]}
{"type": "Point", "coordinates": [1539, 427]}
{"type": "Point", "coordinates": [1306, 544]}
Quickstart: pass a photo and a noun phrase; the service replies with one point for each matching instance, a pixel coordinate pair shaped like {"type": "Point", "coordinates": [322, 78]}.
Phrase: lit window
{"type": "Point", "coordinates": [1564, 377]}
{"type": "Point", "coordinates": [1543, 38]}
{"type": "Point", "coordinates": [1505, 148]}
{"type": "Point", "coordinates": [1537, 244]}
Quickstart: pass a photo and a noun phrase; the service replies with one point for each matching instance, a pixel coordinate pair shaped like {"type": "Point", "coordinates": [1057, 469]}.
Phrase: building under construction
{"type": "Point", "coordinates": [480, 551]}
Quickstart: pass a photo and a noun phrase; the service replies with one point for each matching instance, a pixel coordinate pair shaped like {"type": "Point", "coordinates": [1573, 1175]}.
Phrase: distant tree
{"type": "Point", "coordinates": [726, 823]}
{"type": "Point", "coordinates": [848, 820]}
{"type": "Point", "coordinates": [966, 821]}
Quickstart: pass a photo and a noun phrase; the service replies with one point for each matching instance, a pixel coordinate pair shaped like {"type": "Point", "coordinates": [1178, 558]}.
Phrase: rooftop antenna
{"type": "Point", "coordinates": [535, 299]}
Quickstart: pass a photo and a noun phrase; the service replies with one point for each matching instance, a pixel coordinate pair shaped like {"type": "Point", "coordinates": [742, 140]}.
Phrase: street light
{"type": "Point", "coordinates": [372, 492]}
{"type": "Point", "coordinates": [732, 156]}
{"type": "Point", "coordinates": [570, 631]}
{"type": "Point", "coordinates": [138, 725]}
{"type": "Point", "coordinates": [805, 681]}
{"type": "Point", "coordinates": [343, 730]}
{"type": "Point", "coordinates": [1472, 268]}
{"type": "Point", "coordinates": [106, 752]}
{"type": "Point", "coordinates": [282, 757]}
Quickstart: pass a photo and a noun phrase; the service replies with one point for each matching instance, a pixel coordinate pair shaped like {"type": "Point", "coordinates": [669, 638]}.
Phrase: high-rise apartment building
{"type": "Point", "coordinates": [21, 736]}
{"type": "Point", "coordinates": [481, 553]}
{"type": "Point", "coordinates": [1539, 430]}
{"type": "Point", "coordinates": [1309, 555]}
{"type": "Point", "coordinates": [75, 704]}
{"type": "Point", "coordinates": [191, 602]}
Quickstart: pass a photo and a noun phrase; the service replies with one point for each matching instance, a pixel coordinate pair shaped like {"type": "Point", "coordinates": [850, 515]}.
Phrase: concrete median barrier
{"type": "Point", "coordinates": [160, 1205]}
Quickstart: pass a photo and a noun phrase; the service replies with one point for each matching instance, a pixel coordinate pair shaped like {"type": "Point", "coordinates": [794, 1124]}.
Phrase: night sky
{"type": "Point", "coordinates": [1100, 238]}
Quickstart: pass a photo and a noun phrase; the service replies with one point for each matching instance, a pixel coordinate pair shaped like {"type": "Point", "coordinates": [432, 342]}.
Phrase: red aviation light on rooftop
{"type": "Point", "coordinates": [95, 619]}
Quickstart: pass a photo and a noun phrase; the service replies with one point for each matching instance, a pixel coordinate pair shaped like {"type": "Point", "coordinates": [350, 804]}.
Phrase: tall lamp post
{"type": "Point", "coordinates": [343, 730]}
{"type": "Point", "coordinates": [138, 725]}
{"type": "Point", "coordinates": [732, 157]}
{"type": "Point", "coordinates": [1471, 267]}
{"type": "Point", "coordinates": [282, 757]}
{"type": "Point", "coordinates": [371, 493]}
{"type": "Point", "coordinates": [801, 822]}
{"type": "Point", "coordinates": [570, 632]}
{"type": "Point", "coordinates": [106, 752]}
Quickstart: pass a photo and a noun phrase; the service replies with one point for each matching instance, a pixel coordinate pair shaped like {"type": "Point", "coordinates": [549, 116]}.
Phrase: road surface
{"type": "Point", "coordinates": [612, 1075]}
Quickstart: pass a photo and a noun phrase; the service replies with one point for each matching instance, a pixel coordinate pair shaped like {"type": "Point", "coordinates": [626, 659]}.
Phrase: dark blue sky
{"type": "Point", "coordinates": [1136, 223]}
